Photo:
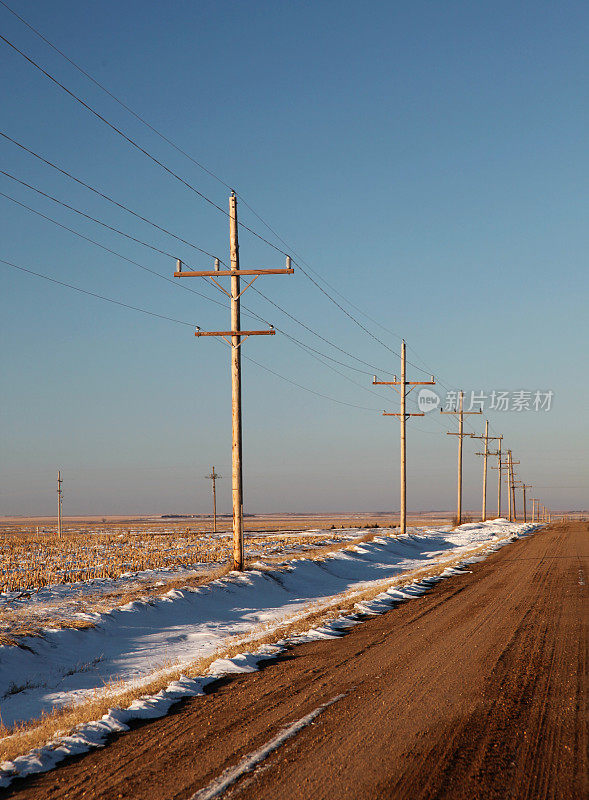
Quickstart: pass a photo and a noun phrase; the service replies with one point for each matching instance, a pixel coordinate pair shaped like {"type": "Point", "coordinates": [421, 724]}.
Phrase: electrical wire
{"type": "Point", "coordinates": [323, 338]}
{"type": "Point", "coordinates": [135, 144]}
{"type": "Point", "coordinates": [107, 197]}
{"type": "Point", "coordinates": [114, 97]}
{"type": "Point", "coordinates": [109, 250]}
{"type": "Point", "coordinates": [194, 189]}
{"type": "Point", "coordinates": [303, 346]}
{"type": "Point", "coordinates": [88, 216]}
{"type": "Point", "coordinates": [183, 181]}
{"type": "Point", "coordinates": [186, 155]}
{"type": "Point", "coordinates": [247, 310]}
{"type": "Point", "coordinates": [94, 294]}
{"type": "Point", "coordinates": [180, 322]}
{"type": "Point", "coordinates": [120, 205]}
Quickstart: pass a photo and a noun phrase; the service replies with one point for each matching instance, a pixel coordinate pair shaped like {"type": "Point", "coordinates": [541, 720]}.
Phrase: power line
{"type": "Point", "coordinates": [191, 244]}
{"type": "Point", "coordinates": [111, 126]}
{"type": "Point", "coordinates": [177, 321]}
{"type": "Point", "coordinates": [134, 143]}
{"type": "Point", "coordinates": [306, 389]}
{"type": "Point", "coordinates": [320, 359]}
{"type": "Point", "coordinates": [107, 197]}
{"type": "Point", "coordinates": [94, 294]}
{"type": "Point", "coordinates": [186, 183]}
{"type": "Point", "coordinates": [300, 259]}
{"type": "Point", "coordinates": [186, 155]}
{"type": "Point", "coordinates": [157, 274]}
{"type": "Point", "coordinates": [114, 97]}
{"type": "Point", "coordinates": [110, 250]}
{"type": "Point", "coordinates": [302, 345]}
{"type": "Point", "coordinates": [194, 189]}
{"type": "Point", "coordinates": [323, 338]}
{"type": "Point", "coordinates": [88, 216]}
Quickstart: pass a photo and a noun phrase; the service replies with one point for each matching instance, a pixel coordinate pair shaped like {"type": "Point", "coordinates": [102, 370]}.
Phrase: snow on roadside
{"type": "Point", "coordinates": [128, 643]}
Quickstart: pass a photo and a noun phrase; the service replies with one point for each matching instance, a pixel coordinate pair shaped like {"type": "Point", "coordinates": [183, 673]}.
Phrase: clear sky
{"type": "Point", "coordinates": [428, 159]}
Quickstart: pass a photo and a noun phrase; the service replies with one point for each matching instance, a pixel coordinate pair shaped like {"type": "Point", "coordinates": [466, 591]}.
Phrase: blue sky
{"type": "Point", "coordinates": [429, 160]}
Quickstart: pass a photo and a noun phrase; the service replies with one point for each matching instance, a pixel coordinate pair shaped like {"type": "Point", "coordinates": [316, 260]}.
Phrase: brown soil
{"type": "Point", "coordinates": [477, 689]}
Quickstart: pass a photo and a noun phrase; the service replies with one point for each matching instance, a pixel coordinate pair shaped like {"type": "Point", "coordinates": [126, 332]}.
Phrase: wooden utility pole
{"type": "Point", "coordinates": [403, 415]}
{"type": "Point", "coordinates": [499, 481]}
{"type": "Point", "coordinates": [235, 338]}
{"type": "Point", "coordinates": [524, 487]}
{"type": "Point", "coordinates": [59, 497]}
{"type": "Point", "coordinates": [214, 477]}
{"type": "Point", "coordinates": [486, 454]}
{"type": "Point", "coordinates": [486, 438]}
{"type": "Point", "coordinates": [509, 488]}
{"type": "Point", "coordinates": [511, 484]}
{"type": "Point", "coordinates": [460, 413]}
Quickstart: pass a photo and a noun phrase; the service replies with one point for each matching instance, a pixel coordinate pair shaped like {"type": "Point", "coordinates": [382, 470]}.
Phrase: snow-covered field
{"type": "Point", "coordinates": [128, 643]}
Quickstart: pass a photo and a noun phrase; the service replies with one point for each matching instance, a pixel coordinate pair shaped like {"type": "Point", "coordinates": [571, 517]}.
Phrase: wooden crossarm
{"type": "Point", "coordinates": [398, 414]}
{"type": "Point", "coordinates": [400, 383]}
{"type": "Point", "coordinates": [464, 413]}
{"type": "Point", "coordinates": [229, 273]}
{"type": "Point", "coordinates": [271, 332]}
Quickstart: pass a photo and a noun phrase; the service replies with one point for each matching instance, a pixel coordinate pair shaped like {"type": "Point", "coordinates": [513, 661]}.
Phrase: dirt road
{"type": "Point", "coordinates": [477, 689]}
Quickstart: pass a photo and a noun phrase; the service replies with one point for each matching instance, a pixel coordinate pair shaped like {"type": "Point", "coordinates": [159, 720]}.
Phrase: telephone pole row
{"type": "Point", "coordinates": [403, 415]}
{"type": "Point", "coordinates": [235, 338]}
{"type": "Point", "coordinates": [460, 412]}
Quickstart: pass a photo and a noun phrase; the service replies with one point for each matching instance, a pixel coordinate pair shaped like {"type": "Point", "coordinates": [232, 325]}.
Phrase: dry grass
{"type": "Point", "coordinates": [465, 520]}
{"type": "Point", "coordinates": [32, 561]}
{"type": "Point", "coordinates": [16, 630]}
{"type": "Point", "coordinates": [24, 737]}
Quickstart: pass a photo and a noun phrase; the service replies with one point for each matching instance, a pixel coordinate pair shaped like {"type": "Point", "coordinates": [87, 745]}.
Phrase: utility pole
{"type": "Point", "coordinates": [499, 469]}
{"type": "Point", "coordinates": [499, 481]}
{"type": "Point", "coordinates": [59, 497]}
{"type": "Point", "coordinates": [533, 509]}
{"type": "Point", "coordinates": [502, 469]}
{"type": "Point", "coordinates": [214, 477]}
{"type": "Point", "coordinates": [486, 438]}
{"type": "Point", "coordinates": [524, 487]}
{"type": "Point", "coordinates": [403, 415]}
{"type": "Point", "coordinates": [511, 485]}
{"type": "Point", "coordinates": [235, 338]}
{"type": "Point", "coordinates": [460, 413]}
